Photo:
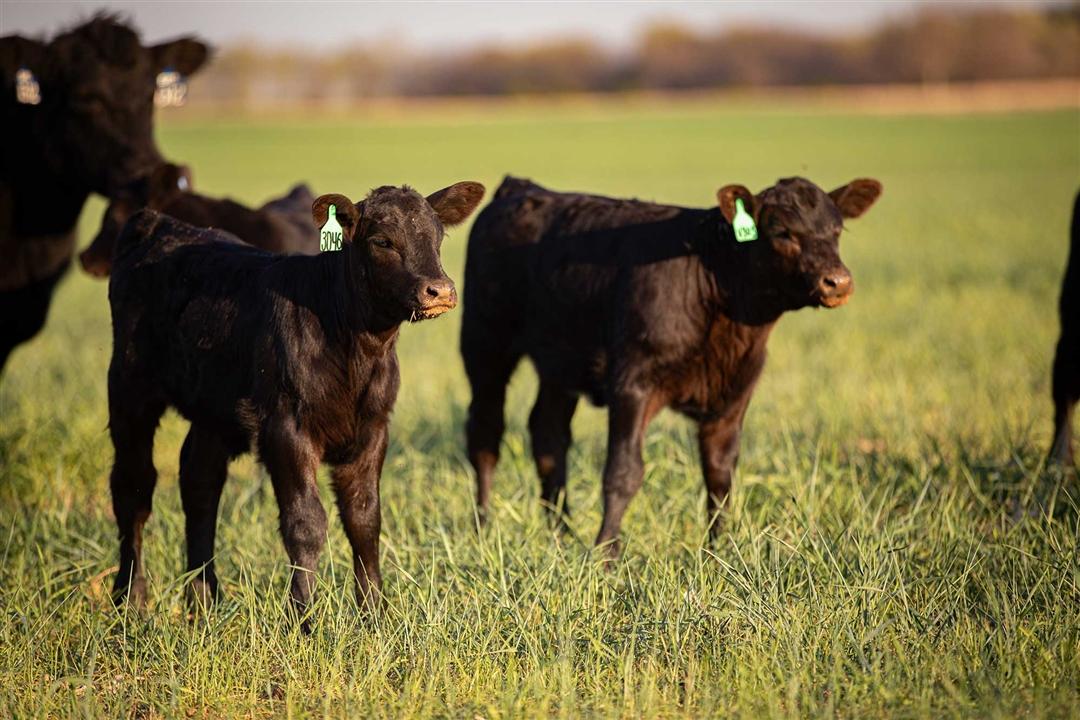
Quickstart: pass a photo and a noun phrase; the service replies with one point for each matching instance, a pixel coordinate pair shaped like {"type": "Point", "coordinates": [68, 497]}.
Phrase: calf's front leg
{"type": "Point", "coordinates": [292, 461]}
{"type": "Point", "coordinates": [357, 487]}
{"type": "Point", "coordinates": [718, 444]}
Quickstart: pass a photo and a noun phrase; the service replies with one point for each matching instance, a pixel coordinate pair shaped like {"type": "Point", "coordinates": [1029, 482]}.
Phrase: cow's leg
{"type": "Point", "coordinates": [133, 420]}
{"type": "Point", "coordinates": [549, 427]}
{"type": "Point", "coordinates": [1066, 392]}
{"type": "Point", "coordinates": [629, 415]}
{"type": "Point", "coordinates": [718, 444]}
{"type": "Point", "coordinates": [204, 464]}
{"type": "Point", "coordinates": [489, 368]}
{"type": "Point", "coordinates": [23, 312]}
{"type": "Point", "coordinates": [357, 487]}
{"type": "Point", "coordinates": [292, 462]}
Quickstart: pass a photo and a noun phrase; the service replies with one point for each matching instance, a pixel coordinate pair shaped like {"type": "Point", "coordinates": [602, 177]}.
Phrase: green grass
{"type": "Point", "coordinates": [870, 566]}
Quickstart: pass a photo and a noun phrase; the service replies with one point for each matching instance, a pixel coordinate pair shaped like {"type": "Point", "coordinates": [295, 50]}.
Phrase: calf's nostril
{"type": "Point", "coordinates": [433, 291]}
{"type": "Point", "coordinates": [835, 283]}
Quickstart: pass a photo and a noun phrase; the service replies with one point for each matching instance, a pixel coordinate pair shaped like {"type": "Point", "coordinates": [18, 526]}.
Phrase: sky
{"type": "Point", "coordinates": [437, 26]}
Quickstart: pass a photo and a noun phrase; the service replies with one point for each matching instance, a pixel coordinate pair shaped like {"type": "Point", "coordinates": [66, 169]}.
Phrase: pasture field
{"type": "Point", "coordinates": [894, 547]}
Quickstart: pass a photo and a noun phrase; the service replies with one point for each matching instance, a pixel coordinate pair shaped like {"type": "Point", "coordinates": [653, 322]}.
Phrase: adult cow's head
{"type": "Point", "coordinates": [394, 237]}
{"type": "Point", "coordinates": [796, 258]}
{"type": "Point", "coordinates": [93, 122]}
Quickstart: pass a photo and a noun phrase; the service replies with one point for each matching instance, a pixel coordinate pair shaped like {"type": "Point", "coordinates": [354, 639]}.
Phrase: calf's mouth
{"type": "Point", "coordinates": [434, 310]}
{"type": "Point", "coordinates": [833, 301]}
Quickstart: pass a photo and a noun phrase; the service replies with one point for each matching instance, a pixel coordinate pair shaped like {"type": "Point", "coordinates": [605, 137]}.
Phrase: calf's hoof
{"type": "Point", "coordinates": [130, 593]}
{"type": "Point", "coordinates": [609, 552]}
{"type": "Point", "coordinates": [201, 594]}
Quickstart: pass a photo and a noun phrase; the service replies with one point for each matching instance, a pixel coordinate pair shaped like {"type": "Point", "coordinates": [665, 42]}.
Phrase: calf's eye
{"type": "Point", "coordinates": [787, 245]}
{"type": "Point", "coordinates": [380, 242]}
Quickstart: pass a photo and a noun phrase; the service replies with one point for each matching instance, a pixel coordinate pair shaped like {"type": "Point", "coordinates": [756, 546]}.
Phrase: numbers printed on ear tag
{"type": "Point", "coordinates": [171, 89]}
{"type": "Point", "coordinates": [27, 90]}
{"type": "Point", "coordinates": [745, 229]}
{"type": "Point", "coordinates": [331, 235]}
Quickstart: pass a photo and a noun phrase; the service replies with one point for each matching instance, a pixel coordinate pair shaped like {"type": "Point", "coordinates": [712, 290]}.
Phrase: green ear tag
{"type": "Point", "coordinates": [745, 229]}
{"type": "Point", "coordinates": [331, 236]}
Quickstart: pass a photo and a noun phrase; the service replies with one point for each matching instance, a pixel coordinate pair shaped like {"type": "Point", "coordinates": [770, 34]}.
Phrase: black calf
{"type": "Point", "coordinates": [291, 355]}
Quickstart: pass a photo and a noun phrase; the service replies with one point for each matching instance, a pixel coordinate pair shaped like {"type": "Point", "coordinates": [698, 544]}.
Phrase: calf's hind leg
{"type": "Point", "coordinates": [549, 426]}
{"type": "Point", "coordinates": [489, 369]}
{"type": "Point", "coordinates": [204, 465]}
{"type": "Point", "coordinates": [132, 428]}
{"type": "Point", "coordinates": [624, 470]}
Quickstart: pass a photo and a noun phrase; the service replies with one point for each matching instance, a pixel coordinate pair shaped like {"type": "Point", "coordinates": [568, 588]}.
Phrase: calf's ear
{"type": "Point", "coordinates": [168, 180]}
{"type": "Point", "coordinates": [726, 197]}
{"type": "Point", "coordinates": [184, 55]}
{"type": "Point", "coordinates": [344, 210]}
{"type": "Point", "coordinates": [856, 197]}
{"type": "Point", "coordinates": [455, 203]}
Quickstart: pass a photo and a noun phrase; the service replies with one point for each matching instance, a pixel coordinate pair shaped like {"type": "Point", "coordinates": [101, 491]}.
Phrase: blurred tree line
{"type": "Point", "coordinates": [936, 45]}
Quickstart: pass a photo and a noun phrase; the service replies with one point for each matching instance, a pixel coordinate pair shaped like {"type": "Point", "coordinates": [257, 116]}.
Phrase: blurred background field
{"type": "Point", "coordinates": [885, 554]}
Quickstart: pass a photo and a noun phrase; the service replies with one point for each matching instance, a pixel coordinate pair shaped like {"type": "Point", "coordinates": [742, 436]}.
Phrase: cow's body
{"type": "Point", "coordinates": [282, 225]}
{"type": "Point", "coordinates": [1066, 371]}
{"type": "Point", "coordinates": [636, 305]}
{"type": "Point", "coordinates": [90, 132]}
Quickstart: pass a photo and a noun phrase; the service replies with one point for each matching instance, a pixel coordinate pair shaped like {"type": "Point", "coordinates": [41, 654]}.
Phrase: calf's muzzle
{"type": "Point", "coordinates": [835, 287]}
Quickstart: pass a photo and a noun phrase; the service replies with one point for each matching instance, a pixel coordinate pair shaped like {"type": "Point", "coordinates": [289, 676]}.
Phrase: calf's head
{"type": "Point", "coordinates": [393, 238]}
{"type": "Point", "coordinates": [796, 258]}
{"type": "Point", "coordinates": [155, 191]}
{"type": "Point", "coordinates": [93, 119]}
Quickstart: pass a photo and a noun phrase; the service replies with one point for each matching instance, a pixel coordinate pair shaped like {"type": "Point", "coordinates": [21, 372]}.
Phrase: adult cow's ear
{"type": "Point", "coordinates": [17, 52]}
{"type": "Point", "coordinates": [856, 197]}
{"type": "Point", "coordinates": [455, 203]}
{"type": "Point", "coordinates": [726, 197]}
{"type": "Point", "coordinates": [184, 55]}
{"type": "Point", "coordinates": [346, 212]}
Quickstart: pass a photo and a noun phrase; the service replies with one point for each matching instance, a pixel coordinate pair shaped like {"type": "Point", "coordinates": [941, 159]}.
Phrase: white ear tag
{"type": "Point", "coordinates": [182, 183]}
{"type": "Point", "coordinates": [27, 90]}
{"type": "Point", "coordinates": [331, 236]}
{"type": "Point", "coordinates": [171, 89]}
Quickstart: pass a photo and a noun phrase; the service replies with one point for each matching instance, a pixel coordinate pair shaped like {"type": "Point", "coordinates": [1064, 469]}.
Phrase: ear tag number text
{"type": "Point", "coordinates": [27, 90]}
{"type": "Point", "coordinates": [331, 235]}
{"type": "Point", "coordinates": [171, 89]}
{"type": "Point", "coordinates": [745, 229]}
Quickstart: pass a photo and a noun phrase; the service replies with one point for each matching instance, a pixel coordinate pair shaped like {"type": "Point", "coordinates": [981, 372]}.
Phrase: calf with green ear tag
{"type": "Point", "coordinates": [640, 307]}
{"type": "Point", "coordinates": [294, 356]}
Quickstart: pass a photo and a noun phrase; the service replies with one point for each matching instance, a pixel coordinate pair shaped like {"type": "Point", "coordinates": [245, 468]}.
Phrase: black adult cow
{"type": "Point", "coordinates": [77, 119]}
{"type": "Point", "coordinates": [639, 306]}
